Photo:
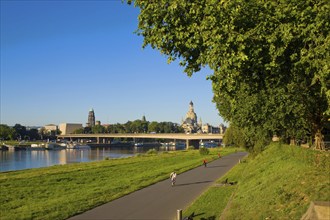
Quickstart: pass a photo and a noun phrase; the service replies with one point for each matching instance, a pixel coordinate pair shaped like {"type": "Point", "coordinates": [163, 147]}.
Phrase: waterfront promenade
{"type": "Point", "coordinates": [161, 200]}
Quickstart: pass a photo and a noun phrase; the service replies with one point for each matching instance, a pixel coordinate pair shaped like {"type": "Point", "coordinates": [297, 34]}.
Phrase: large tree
{"type": "Point", "coordinates": [270, 59]}
{"type": "Point", "coordinates": [20, 130]}
{"type": "Point", "coordinates": [6, 132]}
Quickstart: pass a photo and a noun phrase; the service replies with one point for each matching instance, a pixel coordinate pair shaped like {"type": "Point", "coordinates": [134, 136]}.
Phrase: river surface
{"type": "Point", "coordinates": [26, 159]}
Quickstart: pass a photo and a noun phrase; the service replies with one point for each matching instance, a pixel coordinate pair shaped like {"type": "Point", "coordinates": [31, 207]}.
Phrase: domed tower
{"type": "Point", "coordinates": [91, 118]}
{"type": "Point", "coordinates": [190, 124]}
{"type": "Point", "coordinates": [191, 114]}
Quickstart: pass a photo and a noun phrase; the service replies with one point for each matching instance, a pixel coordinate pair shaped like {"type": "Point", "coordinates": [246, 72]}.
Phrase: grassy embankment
{"type": "Point", "coordinates": [279, 183]}
{"type": "Point", "coordinates": [62, 191]}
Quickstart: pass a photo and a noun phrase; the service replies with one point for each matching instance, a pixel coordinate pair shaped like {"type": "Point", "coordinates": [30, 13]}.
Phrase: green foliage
{"type": "Point", "coordinates": [79, 131]}
{"type": "Point", "coordinates": [153, 127]}
{"type": "Point", "coordinates": [204, 151]}
{"type": "Point", "coordinates": [98, 129]}
{"type": "Point", "coordinates": [116, 128]}
{"type": "Point", "coordinates": [269, 58]}
{"type": "Point", "coordinates": [152, 151]}
{"type": "Point", "coordinates": [235, 136]}
{"type": "Point", "coordinates": [18, 132]}
{"type": "Point", "coordinates": [191, 148]}
{"type": "Point", "coordinates": [6, 133]}
{"type": "Point", "coordinates": [279, 183]}
{"type": "Point", "coordinates": [142, 126]}
{"type": "Point", "coordinates": [252, 140]}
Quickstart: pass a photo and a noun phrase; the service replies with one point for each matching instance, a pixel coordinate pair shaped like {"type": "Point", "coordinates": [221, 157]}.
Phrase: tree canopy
{"type": "Point", "coordinates": [270, 59]}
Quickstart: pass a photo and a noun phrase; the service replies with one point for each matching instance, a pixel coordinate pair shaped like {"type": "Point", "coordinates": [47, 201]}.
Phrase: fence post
{"type": "Point", "coordinates": [179, 214]}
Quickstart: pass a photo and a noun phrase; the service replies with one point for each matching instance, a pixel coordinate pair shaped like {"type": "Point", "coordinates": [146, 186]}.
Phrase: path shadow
{"type": "Point", "coordinates": [210, 166]}
{"type": "Point", "coordinates": [186, 184]}
{"type": "Point", "coordinates": [192, 216]}
{"type": "Point", "coordinates": [209, 218]}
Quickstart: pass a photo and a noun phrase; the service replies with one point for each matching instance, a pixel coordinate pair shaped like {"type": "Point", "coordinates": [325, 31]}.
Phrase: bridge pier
{"type": "Point", "coordinates": [194, 143]}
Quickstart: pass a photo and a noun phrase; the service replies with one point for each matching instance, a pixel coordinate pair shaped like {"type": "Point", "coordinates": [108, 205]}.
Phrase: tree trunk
{"type": "Point", "coordinates": [292, 141]}
{"type": "Point", "coordinates": [319, 144]}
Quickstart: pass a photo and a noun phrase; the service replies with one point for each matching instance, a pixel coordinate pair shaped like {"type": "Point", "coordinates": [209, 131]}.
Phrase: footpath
{"type": "Point", "coordinates": [161, 201]}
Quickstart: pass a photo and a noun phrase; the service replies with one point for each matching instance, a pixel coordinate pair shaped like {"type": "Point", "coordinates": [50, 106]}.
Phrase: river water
{"type": "Point", "coordinates": [26, 159]}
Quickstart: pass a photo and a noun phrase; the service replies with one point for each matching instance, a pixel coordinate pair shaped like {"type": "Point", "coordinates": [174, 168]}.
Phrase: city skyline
{"type": "Point", "coordinates": [59, 59]}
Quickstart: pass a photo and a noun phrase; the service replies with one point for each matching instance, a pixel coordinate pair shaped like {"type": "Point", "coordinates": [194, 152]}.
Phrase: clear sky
{"type": "Point", "coordinates": [59, 59]}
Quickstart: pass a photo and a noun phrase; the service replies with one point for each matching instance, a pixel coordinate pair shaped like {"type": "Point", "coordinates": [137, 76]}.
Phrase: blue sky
{"type": "Point", "coordinates": [59, 59]}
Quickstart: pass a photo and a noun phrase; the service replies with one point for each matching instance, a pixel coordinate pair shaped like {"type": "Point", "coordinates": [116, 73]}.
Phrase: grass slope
{"type": "Point", "coordinates": [279, 183]}
{"type": "Point", "coordinates": [59, 192]}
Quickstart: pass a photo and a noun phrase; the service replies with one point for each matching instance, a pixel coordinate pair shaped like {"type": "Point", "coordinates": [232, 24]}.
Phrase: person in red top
{"type": "Point", "coordinates": [205, 163]}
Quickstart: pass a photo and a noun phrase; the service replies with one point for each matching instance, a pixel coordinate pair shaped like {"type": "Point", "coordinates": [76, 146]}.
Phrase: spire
{"type": "Point", "coordinates": [91, 118]}
{"type": "Point", "coordinates": [191, 106]}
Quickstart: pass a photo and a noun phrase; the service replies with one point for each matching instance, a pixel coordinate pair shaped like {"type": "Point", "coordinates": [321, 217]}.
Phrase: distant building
{"type": "Point", "coordinates": [190, 124]}
{"type": "Point", "coordinates": [97, 122]}
{"type": "Point", "coordinates": [91, 118]}
{"type": "Point", "coordinates": [28, 128]}
{"type": "Point", "coordinates": [222, 129]}
{"type": "Point", "coordinates": [209, 129]}
{"type": "Point", "coordinates": [106, 125]}
{"type": "Point", "coordinates": [69, 128]}
{"type": "Point", "coordinates": [50, 127]}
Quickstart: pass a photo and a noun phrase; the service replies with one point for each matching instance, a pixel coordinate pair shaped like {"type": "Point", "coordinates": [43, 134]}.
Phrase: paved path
{"type": "Point", "coordinates": [161, 200]}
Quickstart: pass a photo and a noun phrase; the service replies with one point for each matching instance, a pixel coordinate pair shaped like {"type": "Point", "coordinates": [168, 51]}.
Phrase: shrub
{"type": "Point", "coordinates": [204, 151]}
{"type": "Point", "coordinates": [152, 151]}
{"type": "Point", "coordinates": [191, 148]}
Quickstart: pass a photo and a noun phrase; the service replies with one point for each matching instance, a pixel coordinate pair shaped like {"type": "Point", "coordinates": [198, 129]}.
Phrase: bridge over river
{"type": "Point", "coordinates": [190, 139]}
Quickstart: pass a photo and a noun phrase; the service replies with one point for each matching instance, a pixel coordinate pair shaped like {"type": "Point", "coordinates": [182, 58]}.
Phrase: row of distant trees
{"type": "Point", "coordinates": [137, 126]}
{"type": "Point", "coordinates": [20, 133]}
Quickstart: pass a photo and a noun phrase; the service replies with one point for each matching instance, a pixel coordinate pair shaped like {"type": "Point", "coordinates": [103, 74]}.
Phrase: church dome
{"type": "Point", "coordinates": [190, 123]}
{"type": "Point", "coordinates": [191, 115]}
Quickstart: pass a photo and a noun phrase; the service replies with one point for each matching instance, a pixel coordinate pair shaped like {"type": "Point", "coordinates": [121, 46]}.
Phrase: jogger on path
{"type": "Point", "coordinates": [173, 178]}
{"type": "Point", "coordinates": [205, 163]}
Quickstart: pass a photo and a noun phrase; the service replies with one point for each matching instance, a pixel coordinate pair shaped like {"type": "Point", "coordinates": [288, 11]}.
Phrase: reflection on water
{"type": "Point", "coordinates": [26, 159]}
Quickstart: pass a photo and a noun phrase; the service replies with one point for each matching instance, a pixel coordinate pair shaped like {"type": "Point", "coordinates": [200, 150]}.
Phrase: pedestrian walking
{"type": "Point", "coordinates": [219, 155]}
{"type": "Point", "coordinates": [205, 163]}
{"type": "Point", "coordinates": [173, 178]}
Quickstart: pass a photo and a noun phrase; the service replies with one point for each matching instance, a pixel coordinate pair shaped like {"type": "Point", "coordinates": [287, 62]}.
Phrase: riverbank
{"type": "Point", "coordinates": [161, 200]}
{"type": "Point", "coordinates": [62, 191]}
{"type": "Point", "coordinates": [280, 183]}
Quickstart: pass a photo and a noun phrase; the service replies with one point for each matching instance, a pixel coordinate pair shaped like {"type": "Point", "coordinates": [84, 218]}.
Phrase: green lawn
{"type": "Point", "coordinates": [279, 183]}
{"type": "Point", "coordinates": [62, 191]}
